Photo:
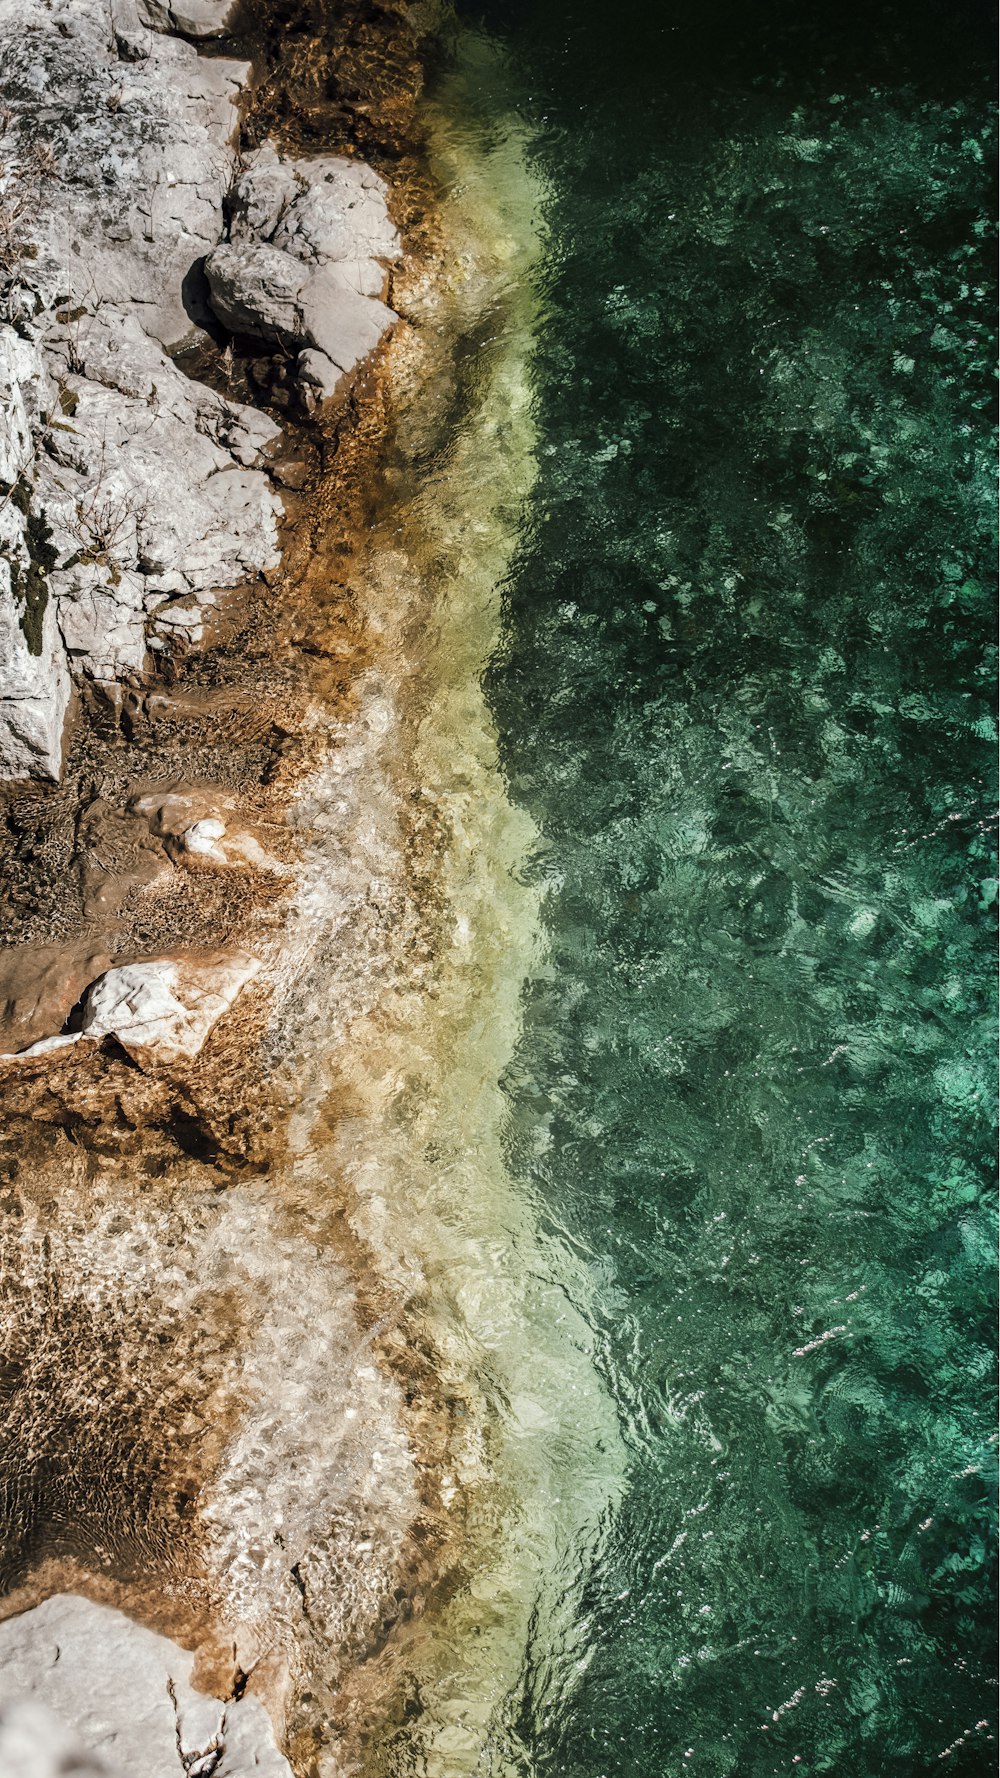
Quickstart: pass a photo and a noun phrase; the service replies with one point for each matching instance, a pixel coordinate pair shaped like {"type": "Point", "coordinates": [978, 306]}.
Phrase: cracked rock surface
{"type": "Point", "coordinates": [85, 1689]}
{"type": "Point", "coordinates": [131, 497]}
{"type": "Point", "coordinates": [305, 265]}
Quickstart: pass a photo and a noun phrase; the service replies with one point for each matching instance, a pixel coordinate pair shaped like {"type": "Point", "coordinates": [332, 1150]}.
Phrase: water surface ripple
{"type": "Point", "coordinates": [744, 691]}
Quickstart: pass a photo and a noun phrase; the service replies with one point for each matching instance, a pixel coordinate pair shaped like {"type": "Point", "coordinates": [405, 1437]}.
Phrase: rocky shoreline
{"type": "Point", "coordinates": [195, 282]}
{"type": "Point", "coordinates": [137, 500]}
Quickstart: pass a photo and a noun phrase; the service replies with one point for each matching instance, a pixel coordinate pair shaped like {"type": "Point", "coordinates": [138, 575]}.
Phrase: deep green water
{"type": "Point", "coordinates": [745, 691]}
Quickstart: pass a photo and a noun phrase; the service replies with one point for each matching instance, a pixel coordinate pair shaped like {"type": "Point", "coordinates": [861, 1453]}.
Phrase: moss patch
{"type": "Point", "coordinates": [30, 585]}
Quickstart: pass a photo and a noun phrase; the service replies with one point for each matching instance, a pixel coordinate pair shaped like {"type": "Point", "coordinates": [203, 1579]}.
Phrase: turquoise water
{"type": "Point", "coordinates": [745, 693]}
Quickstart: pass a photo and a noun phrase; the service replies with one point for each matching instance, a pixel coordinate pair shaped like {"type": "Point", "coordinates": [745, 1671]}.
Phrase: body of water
{"type": "Point", "coordinates": [744, 691]}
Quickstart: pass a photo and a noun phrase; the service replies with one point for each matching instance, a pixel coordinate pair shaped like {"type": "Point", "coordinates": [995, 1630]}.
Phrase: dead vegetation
{"type": "Point", "coordinates": [25, 168]}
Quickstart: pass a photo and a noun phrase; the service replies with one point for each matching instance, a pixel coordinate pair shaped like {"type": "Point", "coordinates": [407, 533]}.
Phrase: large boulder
{"type": "Point", "coordinates": [306, 265]}
{"type": "Point", "coordinates": [322, 208]}
{"type": "Point", "coordinates": [122, 1702]}
{"type": "Point", "coordinates": [259, 289]}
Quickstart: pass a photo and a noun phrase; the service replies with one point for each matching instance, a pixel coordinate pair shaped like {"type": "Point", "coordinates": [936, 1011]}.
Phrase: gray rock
{"type": "Point", "coordinates": [307, 262]}
{"type": "Point", "coordinates": [339, 321]}
{"type": "Point", "coordinates": [317, 376]}
{"type": "Point", "coordinates": [126, 1694]}
{"type": "Point", "coordinates": [35, 1744]}
{"type": "Point", "coordinates": [34, 691]}
{"type": "Point", "coordinates": [163, 1010]}
{"type": "Point", "coordinates": [152, 485]}
{"type": "Point", "coordinates": [146, 490]}
{"type": "Point", "coordinates": [258, 289]}
{"type": "Point", "coordinates": [193, 18]}
{"type": "Point", "coordinates": [322, 209]}
{"type": "Point", "coordinates": [34, 681]}
{"type": "Point", "coordinates": [140, 157]}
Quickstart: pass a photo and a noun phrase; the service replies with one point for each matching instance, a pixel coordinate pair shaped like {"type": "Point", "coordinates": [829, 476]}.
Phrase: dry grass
{"type": "Point", "coordinates": [23, 172]}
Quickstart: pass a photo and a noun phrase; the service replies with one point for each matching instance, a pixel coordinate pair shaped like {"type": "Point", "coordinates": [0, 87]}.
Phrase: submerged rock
{"type": "Point", "coordinates": [39, 987]}
{"type": "Point", "coordinates": [164, 1009]}
{"type": "Point", "coordinates": [121, 1702]}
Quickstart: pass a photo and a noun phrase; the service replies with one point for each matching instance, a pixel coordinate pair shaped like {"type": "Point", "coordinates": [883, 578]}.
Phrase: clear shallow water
{"type": "Point", "coordinates": [744, 693]}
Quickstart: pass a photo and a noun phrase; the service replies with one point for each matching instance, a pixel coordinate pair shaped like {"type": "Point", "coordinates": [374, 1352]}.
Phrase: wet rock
{"type": "Point", "coordinates": [201, 825]}
{"type": "Point", "coordinates": [292, 474]}
{"type": "Point", "coordinates": [126, 1694]}
{"type": "Point", "coordinates": [170, 813]}
{"type": "Point", "coordinates": [210, 840]}
{"type": "Point", "coordinates": [46, 1046]}
{"type": "Point", "coordinates": [115, 855]}
{"type": "Point", "coordinates": [162, 1011]}
{"type": "Point", "coordinates": [39, 987]}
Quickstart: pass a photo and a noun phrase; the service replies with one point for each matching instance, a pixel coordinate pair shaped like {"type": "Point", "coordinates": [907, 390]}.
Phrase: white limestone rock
{"type": "Point", "coordinates": [34, 688]}
{"type": "Point", "coordinates": [120, 143]}
{"type": "Point", "coordinates": [148, 488]}
{"type": "Point", "coordinates": [34, 685]}
{"type": "Point", "coordinates": [25, 397]}
{"type": "Point", "coordinates": [126, 1694]}
{"type": "Point", "coordinates": [322, 208]}
{"type": "Point", "coordinates": [306, 264]}
{"type": "Point", "coordinates": [35, 1744]}
{"type": "Point", "coordinates": [202, 839]}
{"type": "Point", "coordinates": [192, 18]}
{"type": "Point", "coordinates": [164, 1009]}
{"type": "Point", "coordinates": [258, 289]}
{"type": "Point", "coordinates": [111, 347]}
{"type": "Point", "coordinates": [317, 376]}
{"type": "Point", "coordinates": [140, 151]}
